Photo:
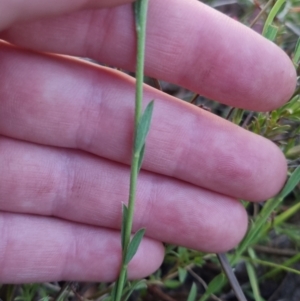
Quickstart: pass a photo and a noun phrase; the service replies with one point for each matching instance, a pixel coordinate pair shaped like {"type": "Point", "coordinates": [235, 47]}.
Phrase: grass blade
{"type": "Point", "coordinates": [274, 11]}
{"type": "Point", "coordinates": [114, 291]}
{"type": "Point", "coordinates": [255, 231]}
{"type": "Point", "coordinates": [253, 281]}
{"type": "Point", "coordinates": [193, 293]}
{"type": "Point", "coordinates": [253, 277]}
{"type": "Point", "coordinates": [271, 32]}
{"type": "Point", "coordinates": [285, 215]}
{"type": "Point", "coordinates": [296, 57]}
{"type": "Point", "coordinates": [291, 183]}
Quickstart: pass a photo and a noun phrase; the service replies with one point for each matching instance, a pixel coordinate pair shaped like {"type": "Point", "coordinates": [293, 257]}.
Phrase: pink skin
{"type": "Point", "coordinates": [66, 129]}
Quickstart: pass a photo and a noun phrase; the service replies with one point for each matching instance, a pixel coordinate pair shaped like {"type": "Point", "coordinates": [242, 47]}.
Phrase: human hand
{"type": "Point", "coordinates": [67, 125]}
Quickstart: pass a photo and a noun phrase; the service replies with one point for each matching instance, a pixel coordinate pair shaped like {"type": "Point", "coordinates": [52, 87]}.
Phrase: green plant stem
{"type": "Point", "coordinates": [272, 264]}
{"type": "Point", "coordinates": [285, 215]}
{"type": "Point", "coordinates": [278, 269]}
{"type": "Point", "coordinates": [141, 20]}
{"type": "Point", "coordinates": [141, 39]}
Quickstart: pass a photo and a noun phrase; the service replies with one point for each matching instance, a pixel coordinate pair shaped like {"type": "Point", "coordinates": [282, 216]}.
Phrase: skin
{"type": "Point", "coordinates": [66, 132]}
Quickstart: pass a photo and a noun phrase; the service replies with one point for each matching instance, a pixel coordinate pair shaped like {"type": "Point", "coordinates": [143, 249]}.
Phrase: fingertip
{"type": "Point", "coordinates": [240, 227]}
{"type": "Point", "coordinates": [238, 232]}
{"type": "Point", "coordinates": [264, 171]}
{"type": "Point", "coordinates": [282, 80]}
{"type": "Point", "coordinates": [229, 229]}
{"type": "Point", "coordinates": [272, 175]}
{"type": "Point", "coordinates": [253, 73]}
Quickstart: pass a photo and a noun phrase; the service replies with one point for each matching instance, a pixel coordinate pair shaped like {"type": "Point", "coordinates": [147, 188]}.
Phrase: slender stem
{"type": "Point", "coordinates": [141, 19]}
{"type": "Point", "coordinates": [141, 39]}
{"type": "Point", "coordinates": [231, 277]}
{"type": "Point", "coordinates": [263, 10]}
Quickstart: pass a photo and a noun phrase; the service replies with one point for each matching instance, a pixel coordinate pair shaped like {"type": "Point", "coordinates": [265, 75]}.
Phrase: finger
{"type": "Point", "coordinates": [67, 103]}
{"type": "Point", "coordinates": [18, 11]}
{"type": "Point", "coordinates": [188, 44]}
{"type": "Point", "coordinates": [86, 189]}
{"type": "Point", "coordinates": [39, 249]}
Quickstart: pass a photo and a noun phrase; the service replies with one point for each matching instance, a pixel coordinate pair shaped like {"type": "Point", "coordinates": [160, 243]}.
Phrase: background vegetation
{"type": "Point", "coordinates": [267, 262]}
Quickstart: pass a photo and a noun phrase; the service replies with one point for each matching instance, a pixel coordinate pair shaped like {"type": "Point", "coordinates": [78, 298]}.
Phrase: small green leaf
{"type": "Point", "coordinates": [134, 244]}
{"type": "Point", "coordinates": [182, 273]}
{"type": "Point", "coordinates": [141, 157]}
{"type": "Point", "coordinates": [143, 128]}
{"type": "Point", "coordinates": [199, 261]}
{"type": "Point", "coordinates": [296, 57]}
{"type": "Point", "coordinates": [271, 32]}
{"type": "Point", "coordinates": [172, 284]}
{"type": "Point", "coordinates": [293, 152]}
{"type": "Point", "coordinates": [137, 286]}
{"type": "Point", "coordinates": [193, 293]}
{"type": "Point", "coordinates": [214, 286]}
{"type": "Point", "coordinates": [124, 222]}
{"type": "Point", "coordinates": [292, 182]}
